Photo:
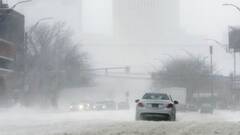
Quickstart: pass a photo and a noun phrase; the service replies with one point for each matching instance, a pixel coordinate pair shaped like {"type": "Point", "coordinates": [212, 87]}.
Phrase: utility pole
{"type": "Point", "coordinates": [211, 69]}
{"type": "Point", "coordinates": [234, 66]}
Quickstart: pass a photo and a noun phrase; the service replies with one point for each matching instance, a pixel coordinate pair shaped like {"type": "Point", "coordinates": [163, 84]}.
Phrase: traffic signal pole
{"type": "Point", "coordinates": [211, 69]}
{"type": "Point", "coordinates": [234, 65]}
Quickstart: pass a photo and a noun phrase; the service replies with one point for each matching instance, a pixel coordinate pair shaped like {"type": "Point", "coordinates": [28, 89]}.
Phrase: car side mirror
{"type": "Point", "coordinates": [176, 102]}
{"type": "Point", "coordinates": [137, 100]}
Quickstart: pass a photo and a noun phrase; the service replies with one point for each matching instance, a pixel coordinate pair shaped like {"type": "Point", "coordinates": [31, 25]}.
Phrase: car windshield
{"type": "Point", "coordinates": [156, 96]}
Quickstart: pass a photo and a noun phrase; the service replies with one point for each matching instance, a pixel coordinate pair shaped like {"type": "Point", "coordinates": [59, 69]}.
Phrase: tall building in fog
{"type": "Point", "coordinates": [150, 21]}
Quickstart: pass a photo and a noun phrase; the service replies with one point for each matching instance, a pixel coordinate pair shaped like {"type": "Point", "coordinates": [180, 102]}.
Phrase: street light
{"type": "Point", "coordinates": [21, 2]}
{"type": "Point", "coordinates": [7, 11]}
{"type": "Point", "coordinates": [217, 42]}
{"type": "Point", "coordinates": [232, 5]}
{"type": "Point", "coordinates": [234, 52]}
{"type": "Point", "coordinates": [234, 76]}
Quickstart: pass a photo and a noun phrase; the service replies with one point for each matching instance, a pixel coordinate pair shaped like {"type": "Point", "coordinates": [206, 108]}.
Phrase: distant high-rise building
{"type": "Point", "coordinates": [146, 20]}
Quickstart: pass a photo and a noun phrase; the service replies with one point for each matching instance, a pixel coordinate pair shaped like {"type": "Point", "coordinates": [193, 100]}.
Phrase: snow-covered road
{"type": "Point", "coordinates": [29, 122]}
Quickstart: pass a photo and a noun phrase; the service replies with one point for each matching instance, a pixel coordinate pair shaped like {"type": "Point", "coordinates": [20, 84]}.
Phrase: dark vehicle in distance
{"type": "Point", "coordinates": [104, 105]}
{"type": "Point", "coordinates": [82, 106]}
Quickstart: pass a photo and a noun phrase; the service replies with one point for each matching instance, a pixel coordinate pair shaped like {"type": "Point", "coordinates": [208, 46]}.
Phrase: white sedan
{"type": "Point", "coordinates": [156, 106]}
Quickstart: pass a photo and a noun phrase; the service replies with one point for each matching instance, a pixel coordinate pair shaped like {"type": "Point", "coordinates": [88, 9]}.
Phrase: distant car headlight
{"type": "Point", "coordinates": [104, 107]}
{"type": "Point", "coordinates": [88, 106]}
{"type": "Point", "coordinates": [81, 107]}
{"type": "Point", "coordinates": [71, 107]}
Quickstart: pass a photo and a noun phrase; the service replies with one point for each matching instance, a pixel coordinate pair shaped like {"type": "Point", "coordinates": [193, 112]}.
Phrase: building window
{"type": "Point", "coordinates": [5, 63]}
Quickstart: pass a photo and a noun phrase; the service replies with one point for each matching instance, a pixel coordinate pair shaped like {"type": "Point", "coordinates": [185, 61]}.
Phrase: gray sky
{"type": "Point", "coordinates": [209, 17]}
{"type": "Point", "coordinates": [204, 18]}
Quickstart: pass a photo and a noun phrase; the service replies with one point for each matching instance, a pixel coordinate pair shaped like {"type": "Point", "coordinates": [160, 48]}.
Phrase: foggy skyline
{"type": "Point", "coordinates": [95, 17]}
{"type": "Point", "coordinates": [191, 13]}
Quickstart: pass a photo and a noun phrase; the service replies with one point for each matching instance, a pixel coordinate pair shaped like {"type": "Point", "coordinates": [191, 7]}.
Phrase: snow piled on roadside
{"type": "Point", "coordinates": [166, 128]}
{"type": "Point", "coordinates": [22, 121]}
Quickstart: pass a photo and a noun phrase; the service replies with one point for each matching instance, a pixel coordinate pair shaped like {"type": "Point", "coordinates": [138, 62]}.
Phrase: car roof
{"type": "Point", "coordinates": [156, 93]}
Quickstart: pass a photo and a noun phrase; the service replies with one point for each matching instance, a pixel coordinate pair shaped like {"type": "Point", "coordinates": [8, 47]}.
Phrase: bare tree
{"type": "Point", "coordinates": [53, 62]}
{"type": "Point", "coordinates": [192, 73]}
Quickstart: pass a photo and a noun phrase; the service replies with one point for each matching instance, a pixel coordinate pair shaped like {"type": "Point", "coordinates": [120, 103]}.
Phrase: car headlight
{"type": "Point", "coordinates": [104, 107]}
{"type": "Point", "coordinates": [81, 107]}
{"type": "Point", "coordinates": [71, 107]}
